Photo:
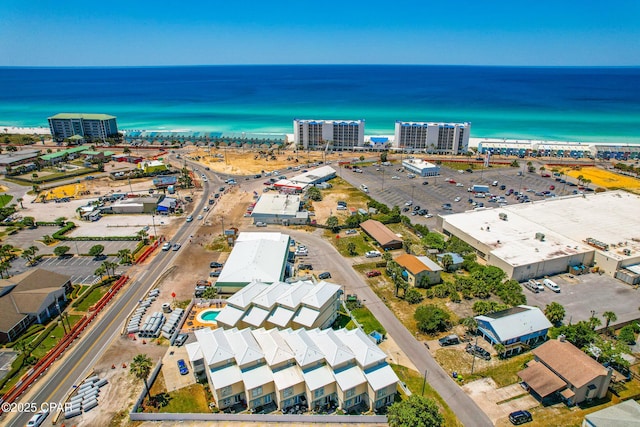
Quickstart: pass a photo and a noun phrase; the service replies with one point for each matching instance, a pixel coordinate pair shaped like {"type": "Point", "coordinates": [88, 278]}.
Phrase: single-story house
{"type": "Point", "coordinates": [386, 238]}
{"type": "Point", "coordinates": [457, 260]}
{"type": "Point", "coordinates": [31, 297]}
{"type": "Point", "coordinates": [515, 327]}
{"type": "Point", "coordinates": [419, 269]}
{"type": "Point", "coordinates": [562, 370]}
{"type": "Point", "coordinates": [624, 414]}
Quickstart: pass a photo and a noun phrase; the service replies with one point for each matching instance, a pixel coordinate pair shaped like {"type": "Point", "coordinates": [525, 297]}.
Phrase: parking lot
{"type": "Point", "coordinates": [81, 269]}
{"type": "Point", "coordinates": [583, 294]}
{"type": "Point", "coordinates": [431, 196]}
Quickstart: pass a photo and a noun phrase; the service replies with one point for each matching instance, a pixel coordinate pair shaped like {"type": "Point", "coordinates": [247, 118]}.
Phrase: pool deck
{"type": "Point", "coordinates": [192, 322]}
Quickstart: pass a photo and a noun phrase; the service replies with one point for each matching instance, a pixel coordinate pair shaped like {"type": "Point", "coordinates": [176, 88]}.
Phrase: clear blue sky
{"type": "Point", "coordinates": [489, 32]}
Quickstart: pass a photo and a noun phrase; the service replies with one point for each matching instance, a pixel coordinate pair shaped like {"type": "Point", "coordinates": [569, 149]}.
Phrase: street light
{"type": "Point", "coordinates": [155, 234]}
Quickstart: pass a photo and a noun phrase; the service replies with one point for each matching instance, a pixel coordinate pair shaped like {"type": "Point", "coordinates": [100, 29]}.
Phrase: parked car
{"type": "Point", "coordinates": [166, 246]}
{"type": "Point", "coordinates": [182, 366]}
{"type": "Point", "coordinates": [305, 267]}
{"type": "Point", "coordinates": [261, 224]}
{"type": "Point", "coordinates": [214, 264]}
{"type": "Point", "coordinates": [520, 417]}
{"type": "Point", "coordinates": [351, 231]}
{"type": "Point", "coordinates": [37, 418]}
{"type": "Point", "coordinates": [551, 285]}
{"type": "Point", "coordinates": [181, 339]}
{"type": "Point", "coordinates": [534, 285]}
{"type": "Point", "coordinates": [325, 275]}
{"type": "Point", "coordinates": [301, 252]}
{"type": "Point", "coordinates": [478, 351]}
{"type": "Point", "coordinates": [215, 273]}
{"type": "Point", "coordinates": [372, 254]}
{"type": "Point", "coordinates": [425, 182]}
{"type": "Point", "coordinates": [405, 209]}
{"type": "Point", "coordinates": [373, 273]}
{"type": "Point", "coordinates": [449, 340]}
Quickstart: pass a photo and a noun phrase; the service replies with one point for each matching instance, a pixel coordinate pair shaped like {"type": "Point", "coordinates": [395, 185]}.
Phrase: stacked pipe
{"type": "Point", "coordinates": [86, 397]}
{"type": "Point", "coordinates": [172, 323]}
{"type": "Point", "coordinates": [152, 326]}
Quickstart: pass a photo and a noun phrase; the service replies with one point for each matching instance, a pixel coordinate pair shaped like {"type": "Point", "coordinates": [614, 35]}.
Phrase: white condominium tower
{"type": "Point", "coordinates": [338, 134]}
{"type": "Point", "coordinates": [437, 138]}
{"type": "Point", "coordinates": [99, 126]}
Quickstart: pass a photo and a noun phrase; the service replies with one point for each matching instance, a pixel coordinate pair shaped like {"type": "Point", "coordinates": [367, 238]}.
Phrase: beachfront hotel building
{"type": "Point", "coordinates": [263, 368]}
{"type": "Point", "coordinates": [67, 125]}
{"type": "Point", "coordinates": [330, 134]}
{"type": "Point", "coordinates": [436, 138]}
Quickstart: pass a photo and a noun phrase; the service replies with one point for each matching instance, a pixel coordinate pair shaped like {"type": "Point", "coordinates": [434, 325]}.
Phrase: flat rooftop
{"type": "Point", "coordinates": [418, 163]}
{"type": "Point", "coordinates": [277, 204]}
{"type": "Point", "coordinates": [566, 222]}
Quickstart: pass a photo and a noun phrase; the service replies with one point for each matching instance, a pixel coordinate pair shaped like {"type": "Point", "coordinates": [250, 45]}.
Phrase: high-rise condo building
{"type": "Point", "coordinates": [66, 125]}
{"type": "Point", "coordinates": [338, 134]}
{"type": "Point", "coordinates": [437, 138]}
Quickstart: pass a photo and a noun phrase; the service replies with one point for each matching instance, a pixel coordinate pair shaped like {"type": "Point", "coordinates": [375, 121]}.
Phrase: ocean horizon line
{"type": "Point", "coordinates": [139, 66]}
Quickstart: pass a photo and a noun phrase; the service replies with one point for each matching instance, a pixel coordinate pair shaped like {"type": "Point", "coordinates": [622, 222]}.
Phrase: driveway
{"type": "Point", "coordinates": [496, 402]}
{"type": "Point", "coordinates": [172, 378]}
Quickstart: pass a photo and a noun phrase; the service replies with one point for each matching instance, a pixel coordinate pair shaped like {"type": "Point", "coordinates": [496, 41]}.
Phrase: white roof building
{"type": "Point", "coordinates": [295, 305]}
{"type": "Point", "coordinates": [547, 237]}
{"type": "Point", "coordinates": [315, 176]}
{"type": "Point", "coordinates": [289, 367]}
{"type": "Point", "coordinates": [514, 326]}
{"type": "Point", "coordinates": [277, 209]}
{"type": "Point", "coordinates": [255, 257]}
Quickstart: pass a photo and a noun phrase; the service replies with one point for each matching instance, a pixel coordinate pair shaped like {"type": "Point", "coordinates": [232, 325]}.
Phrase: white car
{"type": "Point", "coordinates": [459, 184]}
{"type": "Point", "coordinates": [428, 216]}
{"type": "Point", "coordinates": [166, 246]}
{"type": "Point", "coordinates": [37, 419]}
{"type": "Point", "coordinates": [395, 177]}
{"type": "Point", "coordinates": [301, 252]}
{"type": "Point", "coordinates": [261, 224]}
{"type": "Point", "coordinates": [409, 203]}
{"type": "Point", "coordinates": [372, 254]}
{"type": "Point", "coordinates": [457, 199]}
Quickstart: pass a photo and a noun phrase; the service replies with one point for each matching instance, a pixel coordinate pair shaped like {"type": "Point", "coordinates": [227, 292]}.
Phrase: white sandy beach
{"type": "Point", "coordinates": [24, 131]}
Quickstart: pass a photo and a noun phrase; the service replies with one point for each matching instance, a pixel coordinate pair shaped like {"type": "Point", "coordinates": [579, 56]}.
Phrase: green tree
{"type": "Point", "coordinates": [579, 334]}
{"type": "Point", "coordinates": [100, 271]}
{"type": "Point", "coordinates": [110, 268]}
{"type": "Point", "coordinates": [470, 324]}
{"type": "Point", "coordinates": [61, 251]}
{"type": "Point", "coordinates": [351, 248]}
{"type": "Point", "coordinates": [627, 335]}
{"type": "Point", "coordinates": [210, 293]}
{"type": "Point", "coordinates": [433, 240]}
{"type": "Point", "coordinates": [143, 235]}
{"type": "Point", "coordinates": [383, 157]}
{"type": "Point", "coordinates": [96, 251]}
{"type": "Point", "coordinates": [361, 158]}
{"type": "Point", "coordinates": [28, 221]}
{"type": "Point", "coordinates": [609, 316]}
{"type": "Point", "coordinates": [416, 411]}
{"type": "Point", "coordinates": [314, 194]}
{"type": "Point", "coordinates": [413, 296]}
{"type": "Point", "coordinates": [431, 318]}
{"type": "Point", "coordinates": [141, 368]}
{"type": "Point", "coordinates": [500, 349]}
{"type": "Point", "coordinates": [332, 222]}
{"type": "Point", "coordinates": [447, 261]}
{"type": "Point", "coordinates": [555, 312]}
{"type": "Point", "coordinates": [29, 254]}
{"type": "Point", "coordinates": [20, 200]}
{"type": "Point", "coordinates": [125, 256]}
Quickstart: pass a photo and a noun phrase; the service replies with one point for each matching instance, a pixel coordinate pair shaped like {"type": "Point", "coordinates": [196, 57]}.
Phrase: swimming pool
{"type": "Point", "coordinates": [208, 316]}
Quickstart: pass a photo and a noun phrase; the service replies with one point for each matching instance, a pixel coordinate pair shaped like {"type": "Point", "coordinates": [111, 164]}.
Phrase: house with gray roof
{"type": "Point", "coordinates": [515, 328]}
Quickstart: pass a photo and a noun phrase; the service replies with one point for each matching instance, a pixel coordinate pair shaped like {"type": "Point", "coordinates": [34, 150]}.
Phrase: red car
{"type": "Point", "coordinates": [552, 187]}
{"type": "Point", "coordinates": [373, 273]}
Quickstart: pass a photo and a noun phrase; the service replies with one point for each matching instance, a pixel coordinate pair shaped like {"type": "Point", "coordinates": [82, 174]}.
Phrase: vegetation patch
{"type": "Point", "coordinates": [367, 320]}
{"type": "Point", "coordinates": [355, 245]}
{"type": "Point", "coordinates": [5, 199]}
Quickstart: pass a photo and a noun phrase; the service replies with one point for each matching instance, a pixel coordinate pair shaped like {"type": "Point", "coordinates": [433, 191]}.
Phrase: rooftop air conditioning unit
{"type": "Point", "coordinates": [540, 236]}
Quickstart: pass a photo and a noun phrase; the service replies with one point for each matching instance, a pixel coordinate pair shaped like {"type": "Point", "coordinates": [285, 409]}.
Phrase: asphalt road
{"type": "Point", "coordinates": [323, 254]}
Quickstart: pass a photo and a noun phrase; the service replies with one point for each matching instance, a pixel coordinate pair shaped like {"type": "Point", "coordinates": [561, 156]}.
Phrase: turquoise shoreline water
{"type": "Point", "coordinates": [565, 104]}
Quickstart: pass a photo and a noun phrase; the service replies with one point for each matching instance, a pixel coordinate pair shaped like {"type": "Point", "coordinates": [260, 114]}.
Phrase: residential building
{"type": "Point", "coordinates": [315, 368]}
{"type": "Point", "coordinates": [561, 369]}
{"type": "Point", "coordinates": [553, 236]}
{"type": "Point", "coordinates": [282, 305]}
{"type": "Point", "coordinates": [31, 297]}
{"type": "Point", "coordinates": [63, 155]}
{"type": "Point", "coordinates": [456, 260]}
{"type": "Point", "coordinates": [255, 256]}
{"type": "Point", "coordinates": [419, 270]}
{"type": "Point", "coordinates": [328, 134]}
{"type": "Point", "coordinates": [99, 126]}
{"type": "Point", "coordinates": [19, 159]}
{"type": "Point", "coordinates": [436, 138]}
{"type": "Point", "coordinates": [281, 209]}
{"type": "Point", "coordinates": [386, 238]}
{"type": "Point", "coordinates": [516, 328]}
{"type": "Point", "coordinates": [624, 414]}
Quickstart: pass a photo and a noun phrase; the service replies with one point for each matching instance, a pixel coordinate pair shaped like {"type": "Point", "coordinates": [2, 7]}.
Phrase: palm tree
{"type": "Point", "coordinates": [500, 349]}
{"type": "Point", "coordinates": [609, 316]}
{"type": "Point", "coordinates": [20, 200]}
{"type": "Point", "coordinates": [125, 256]}
{"type": "Point", "coordinates": [143, 235]}
{"type": "Point", "coordinates": [470, 323]}
{"type": "Point", "coordinates": [110, 268]}
{"type": "Point", "coordinates": [100, 271]}
{"type": "Point", "coordinates": [447, 261]}
{"type": "Point", "coordinates": [141, 368]}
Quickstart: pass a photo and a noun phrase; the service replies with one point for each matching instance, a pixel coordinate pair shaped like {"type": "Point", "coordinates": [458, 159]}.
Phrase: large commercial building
{"type": "Point", "coordinates": [282, 305]}
{"type": "Point", "coordinates": [543, 238]}
{"type": "Point", "coordinates": [421, 167]}
{"type": "Point", "coordinates": [329, 134]}
{"type": "Point", "coordinates": [99, 126]}
{"type": "Point", "coordinates": [436, 138]}
{"type": "Point", "coordinates": [255, 257]}
{"type": "Point", "coordinates": [314, 368]}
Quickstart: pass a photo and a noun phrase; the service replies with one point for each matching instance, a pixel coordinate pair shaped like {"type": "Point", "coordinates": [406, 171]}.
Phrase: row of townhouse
{"type": "Point", "coordinates": [436, 138]}
{"type": "Point", "coordinates": [282, 305]}
{"type": "Point", "coordinates": [315, 368]}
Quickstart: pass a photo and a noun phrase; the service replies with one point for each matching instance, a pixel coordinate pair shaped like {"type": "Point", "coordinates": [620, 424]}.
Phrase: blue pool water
{"type": "Point", "coordinates": [210, 315]}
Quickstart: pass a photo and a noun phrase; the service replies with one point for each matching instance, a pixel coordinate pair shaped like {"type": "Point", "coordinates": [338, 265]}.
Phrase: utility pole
{"type": "Point", "coordinates": [424, 381]}
{"type": "Point", "coordinates": [473, 353]}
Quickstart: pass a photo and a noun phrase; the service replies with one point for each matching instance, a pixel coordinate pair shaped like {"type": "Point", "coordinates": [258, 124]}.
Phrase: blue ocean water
{"type": "Point", "coordinates": [576, 104]}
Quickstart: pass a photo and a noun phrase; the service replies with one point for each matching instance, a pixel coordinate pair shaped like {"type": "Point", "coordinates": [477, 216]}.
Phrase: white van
{"type": "Point", "coordinates": [364, 188]}
{"type": "Point", "coordinates": [533, 285]}
{"type": "Point", "coordinates": [551, 285]}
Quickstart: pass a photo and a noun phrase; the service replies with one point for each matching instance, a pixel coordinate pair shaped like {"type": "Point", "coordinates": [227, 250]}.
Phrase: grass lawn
{"type": "Point", "coordinates": [93, 298]}
{"type": "Point", "coordinates": [5, 199]}
{"type": "Point", "coordinates": [191, 399]}
{"type": "Point", "coordinates": [414, 381]}
{"type": "Point", "coordinates": [409, 237]}
{"type": "Point", "coordinates": [341, 244]}
{"type": "Point", "coordinates": [367, 320]}
{"type": "Point", "coordinates": [54, 337]}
